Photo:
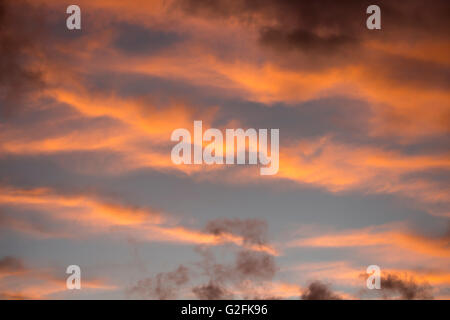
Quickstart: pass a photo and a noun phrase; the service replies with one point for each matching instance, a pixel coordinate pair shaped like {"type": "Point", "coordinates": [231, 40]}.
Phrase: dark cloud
{"type": "Point", "coordinates": [137, 39]}
{"type": "Point", "coordinates": [326, 33]}
{"type": "Point", "coordinates": [417, 73]}
{"type": "Point", "coordinates": [163, 286]}
{"type": "Point", "coordinates": [212, 291]}
{"type": "Point", "coordinates": [405, 289]}
{"type": "Point", "coordinates": [218, 280]}
{"type": "Point", "coordinates": [319, 291]}
{"type": "Point", "coordinates": [250, 268]}
{"type": "Point", "coordinates": [325, 20]}
{"type": "Point", "coordinates": [11, 264]}
{"type": "Point", "coordinates": [253, 264]}
{"type": "Point", "coordinates": [20, 34]}
{"type": "Point", "coordinates": [304, 39]}
{"type": "Point", "coordinates": [291, 24]}
{"type": "Point", "coordinates": [251, 230]}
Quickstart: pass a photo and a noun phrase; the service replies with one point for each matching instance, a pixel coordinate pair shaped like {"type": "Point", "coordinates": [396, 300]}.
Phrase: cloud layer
{"type": "Point", "coordinates": [86, 118]}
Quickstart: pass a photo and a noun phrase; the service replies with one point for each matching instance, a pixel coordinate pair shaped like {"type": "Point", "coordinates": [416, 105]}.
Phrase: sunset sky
{"type": "Point", "coordinates": [86, 176]}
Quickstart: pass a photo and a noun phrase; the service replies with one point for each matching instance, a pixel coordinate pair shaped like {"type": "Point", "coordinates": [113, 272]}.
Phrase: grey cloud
{"type": "Point", "coordinates": [406, 289]}
{"type": "Point", "coordinates": [319, 291]}
{"type": "Point", "coordinates": [212, 291]}
{"type": "Point", "coordinates": [138, 39]}
{"type": "Point", "coordinates": [163, 286]}
{"type": "Point", "coordinates": [252, 230]}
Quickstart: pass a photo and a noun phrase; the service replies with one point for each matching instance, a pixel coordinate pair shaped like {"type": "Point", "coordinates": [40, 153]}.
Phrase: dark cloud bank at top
{"type": "Point", "coordinates": [324, 24]}
{"type": "Point", "coordinates": [326, 33]}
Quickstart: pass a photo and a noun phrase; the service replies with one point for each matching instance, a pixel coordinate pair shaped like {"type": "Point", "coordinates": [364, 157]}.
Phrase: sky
{"type": "Point", "coordinates": [86, 176]}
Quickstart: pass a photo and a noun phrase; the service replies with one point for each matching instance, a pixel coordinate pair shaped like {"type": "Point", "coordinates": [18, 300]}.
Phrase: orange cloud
{"type": "Point", "coordinates": [339, 167]}
{"type": "Point", "coordinates": [100, 216]}
{"type": "Point", "coordinates": [41, 286]}
{"type": "Point", "coordinates": [372, 236]}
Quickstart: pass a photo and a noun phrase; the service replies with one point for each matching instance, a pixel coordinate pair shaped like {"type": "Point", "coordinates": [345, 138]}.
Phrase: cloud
{"type": "Point", "coordinates": [323, 21]}
{"type": "Point", "coordinates": [249, 272]}
{"type": "Point", "coordinates": [245, 276]}
{"type": "Point", "coordinates": [338, 167]}
{"type": "Point", "coordinates": [10, 265]}
{"type": "Point", "coordinates": [80, 207]}
{"type": "Point", "coordinates": [20, 35]}
{"type": "Point", "coordinates": [297, 58]}
{"type": "Point", "coordinates": [390, 236]}
{"type": "Point", "coordinates": [12, 296]}
{"type": "Point", "coordinates": [250, 268]}
{"type": "Point", "coordinates": [136, 39]}
{"type": "Point", "coordinates": [20, 280]}
{"type": "Point", "coordinates": [255, 265]}
{"type": "Point", "coordinates": [334, 51]}
{"type": "Point", "coordinates": [408, 289]}
{"type": "Point", "coordinates": [164, 285]}
{"type": "Point", "coordinates": [305, 40]}
{"type": "Point", "coordinates": [319, 291]}
{"type": "Point", "coordinates": [253, 231]}
{"type": "Point", "coordinates": [401, 286]}
{"type": "Point", "coordinates": [392, 286]}
{"type": "Point", "coordinates": [212, 291]}
{"type": "Point", "coordinates": [93, 215]}
{"type": "Point", "coordinates": [351, 274]}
